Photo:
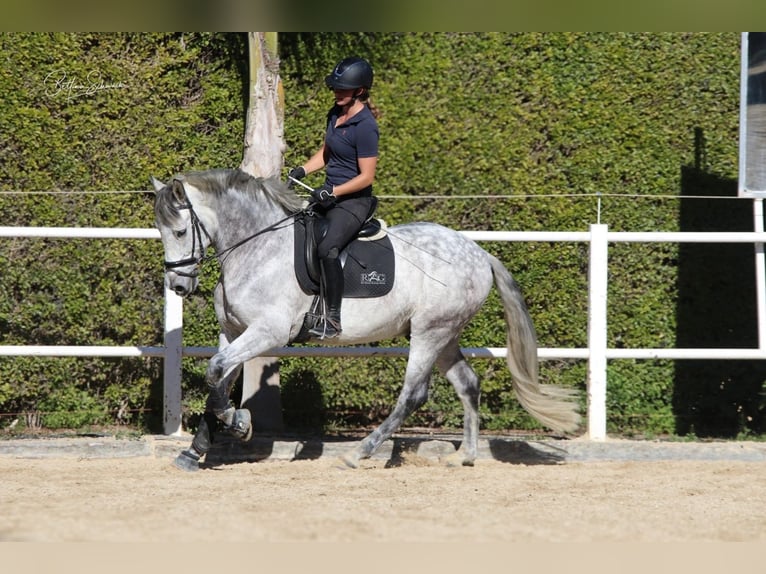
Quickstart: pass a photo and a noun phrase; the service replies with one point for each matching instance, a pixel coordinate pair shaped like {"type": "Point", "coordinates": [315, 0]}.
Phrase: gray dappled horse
{"type": "Point", "coordinates": [442, 279]}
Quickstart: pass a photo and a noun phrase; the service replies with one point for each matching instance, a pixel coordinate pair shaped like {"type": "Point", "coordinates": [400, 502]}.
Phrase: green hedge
{"type": "Point", "coordinates": [519, 131]}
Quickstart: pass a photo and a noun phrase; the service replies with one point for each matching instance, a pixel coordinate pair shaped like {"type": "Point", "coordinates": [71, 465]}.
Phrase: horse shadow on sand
{"type": "Point", "coordinates": [303, 406]}
{"type": "Point", "coordinates": [397, 451]}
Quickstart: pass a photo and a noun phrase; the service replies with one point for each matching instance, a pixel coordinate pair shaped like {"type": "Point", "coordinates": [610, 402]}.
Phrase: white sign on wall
{"type": "Point", "coordinates": [752, 116]}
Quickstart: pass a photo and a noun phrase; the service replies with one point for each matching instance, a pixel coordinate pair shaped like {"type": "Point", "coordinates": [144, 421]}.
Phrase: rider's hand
{"type": "Point", "coordinates": [323, 196]}
{"type": "Point", "coordinates": [295, 173]}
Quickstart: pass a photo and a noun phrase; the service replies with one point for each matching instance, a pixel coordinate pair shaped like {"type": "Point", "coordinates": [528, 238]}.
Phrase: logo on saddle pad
{"type": "Point", "coordinates": [368, 263]}
{"type": "Point", "coordinates": [373, 278]}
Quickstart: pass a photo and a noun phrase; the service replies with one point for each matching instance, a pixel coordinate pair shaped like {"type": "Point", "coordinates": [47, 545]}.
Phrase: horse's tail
{"type": "Point", "coordinates": [556, 407]}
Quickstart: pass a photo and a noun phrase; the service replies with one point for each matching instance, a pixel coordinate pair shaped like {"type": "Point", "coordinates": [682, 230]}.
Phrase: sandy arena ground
{"type": "Point", "coordinates": [145, 499]}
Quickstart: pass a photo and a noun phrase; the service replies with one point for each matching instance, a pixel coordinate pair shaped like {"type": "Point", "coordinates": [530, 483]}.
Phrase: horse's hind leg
{"type": "Point", "coordinates": [457, 371]}
{"type": "Point", "coordinates": [414, 394]}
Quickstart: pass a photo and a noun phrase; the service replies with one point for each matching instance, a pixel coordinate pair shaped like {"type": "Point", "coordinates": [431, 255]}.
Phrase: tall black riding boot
{"type": "Point", "coordinates": [332, 293]}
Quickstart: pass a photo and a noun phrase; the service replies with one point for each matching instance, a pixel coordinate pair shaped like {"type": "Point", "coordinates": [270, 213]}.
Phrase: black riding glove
{"type": "Point", "coordinates": [295, 173]}
{"type": "Point", "coordinates": [323, 196]}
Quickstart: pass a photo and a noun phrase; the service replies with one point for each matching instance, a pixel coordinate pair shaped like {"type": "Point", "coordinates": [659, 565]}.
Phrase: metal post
{"type": "Point", "coordinates": [597, 308]}
{"type": "Point", "coordinates": [760, 273]}
{"type": "Point", "coordinates": [173, 354]}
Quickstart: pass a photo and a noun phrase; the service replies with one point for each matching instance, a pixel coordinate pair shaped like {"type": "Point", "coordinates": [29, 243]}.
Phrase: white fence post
{"type": "Point", "coordinates": [172, 365]}
{"type": "Point", "coordinates": [597, 306]}
{"type": "Point", "coordinates": [760, 273]}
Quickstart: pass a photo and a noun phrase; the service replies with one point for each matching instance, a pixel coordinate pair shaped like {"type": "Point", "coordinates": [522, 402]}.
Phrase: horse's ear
{"type": "Point", "coordinates": [177, 187]}
{"type": "Point", "coordinates": [158, 185]}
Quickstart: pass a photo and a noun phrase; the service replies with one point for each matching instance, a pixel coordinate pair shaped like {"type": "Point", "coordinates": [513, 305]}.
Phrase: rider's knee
{"type": "Point", "coordinates": [325, 253]}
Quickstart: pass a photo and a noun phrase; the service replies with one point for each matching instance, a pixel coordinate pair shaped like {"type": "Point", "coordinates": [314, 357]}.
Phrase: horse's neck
{"type": "Point", "coordinates": [247, 227]}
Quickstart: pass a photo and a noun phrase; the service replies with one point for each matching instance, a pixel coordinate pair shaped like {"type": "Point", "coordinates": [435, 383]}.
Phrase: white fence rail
{"type": "Point", "coordinates": [597, 354]}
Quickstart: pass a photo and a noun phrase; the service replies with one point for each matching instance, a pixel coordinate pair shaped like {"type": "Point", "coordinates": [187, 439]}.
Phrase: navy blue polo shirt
{"type": "Point", "coordinates": [345, 144]}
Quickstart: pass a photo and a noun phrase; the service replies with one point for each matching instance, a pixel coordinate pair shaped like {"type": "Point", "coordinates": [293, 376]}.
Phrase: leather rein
{"type": "Point", "coordinates": [198, 230]}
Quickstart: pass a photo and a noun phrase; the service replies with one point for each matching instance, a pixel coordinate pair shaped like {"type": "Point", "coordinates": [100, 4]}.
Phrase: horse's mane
{"type": "Point", "coordinates": [220, 181]}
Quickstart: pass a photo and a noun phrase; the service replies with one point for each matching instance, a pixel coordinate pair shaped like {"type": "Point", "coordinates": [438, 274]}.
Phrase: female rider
{"type": "Point", "coordinates": [349, 155]}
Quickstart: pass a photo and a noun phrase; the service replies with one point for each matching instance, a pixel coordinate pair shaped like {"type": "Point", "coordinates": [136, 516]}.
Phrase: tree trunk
{"type": "Point", "coordinates": [264, 131]}
{"type": "Point", "coordinates": [263, 157]}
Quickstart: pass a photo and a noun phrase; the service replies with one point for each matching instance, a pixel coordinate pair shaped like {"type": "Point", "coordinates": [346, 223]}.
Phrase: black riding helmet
{"type": "Point", "coordinates": [349, 74]}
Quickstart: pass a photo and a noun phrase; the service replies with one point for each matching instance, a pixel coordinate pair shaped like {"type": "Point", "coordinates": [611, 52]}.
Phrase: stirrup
{"type": "Point", "coordinates": [326, 329]}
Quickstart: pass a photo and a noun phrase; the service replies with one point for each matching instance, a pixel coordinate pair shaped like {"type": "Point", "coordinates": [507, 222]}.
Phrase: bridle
{"type": "Point", "coordinates": [198, 230]}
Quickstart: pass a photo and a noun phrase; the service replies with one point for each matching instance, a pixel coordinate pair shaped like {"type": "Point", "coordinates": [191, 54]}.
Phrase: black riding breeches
{"type": "Point", "coordinates": [344, 220]}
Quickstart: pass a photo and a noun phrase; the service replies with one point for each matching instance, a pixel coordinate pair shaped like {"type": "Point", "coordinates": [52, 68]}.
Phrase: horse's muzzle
{"type": "Point", "coordinates": [181, 285]}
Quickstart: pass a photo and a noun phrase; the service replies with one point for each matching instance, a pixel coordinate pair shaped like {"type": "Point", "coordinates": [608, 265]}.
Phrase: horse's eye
{"type": "Point", "coordinates": [180, 233]}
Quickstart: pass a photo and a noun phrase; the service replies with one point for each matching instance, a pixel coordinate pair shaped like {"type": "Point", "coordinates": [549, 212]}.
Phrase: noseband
{"type": "Point", "coordinates": [197, 230]}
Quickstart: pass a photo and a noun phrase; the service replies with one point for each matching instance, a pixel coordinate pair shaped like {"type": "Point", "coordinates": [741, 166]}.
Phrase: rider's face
{"type": "Point", "coordinates": [343, 97]}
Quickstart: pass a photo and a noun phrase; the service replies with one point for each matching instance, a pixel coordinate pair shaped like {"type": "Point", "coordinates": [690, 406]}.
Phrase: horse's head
{"type": "Point", "coordinates": [184, 237]}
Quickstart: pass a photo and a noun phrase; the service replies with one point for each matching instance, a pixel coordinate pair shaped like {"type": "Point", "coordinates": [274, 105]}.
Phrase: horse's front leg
{"type": "Point", "coordinates": [222, 371]}
{"type": "Point", "coordinates": [236, 422]}
{"type": "Point", "coordinates": [218, 409]}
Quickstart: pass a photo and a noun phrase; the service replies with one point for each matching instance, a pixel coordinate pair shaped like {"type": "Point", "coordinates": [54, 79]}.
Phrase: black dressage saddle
{"type": "Point", "coordinates": [368, 264]}
{"type": "Point", "coordinates": [368, 261]}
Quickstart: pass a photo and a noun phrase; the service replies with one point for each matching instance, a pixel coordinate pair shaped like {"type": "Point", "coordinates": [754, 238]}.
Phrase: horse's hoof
{"type": "Point", "coordinates": [457, 459]}
{"type": "Point", "coordinates": [241, 426]}
{"type": "Point", "coordinates": [187, 461]}
{"type": "Point", "coordinates": [350, 460]}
